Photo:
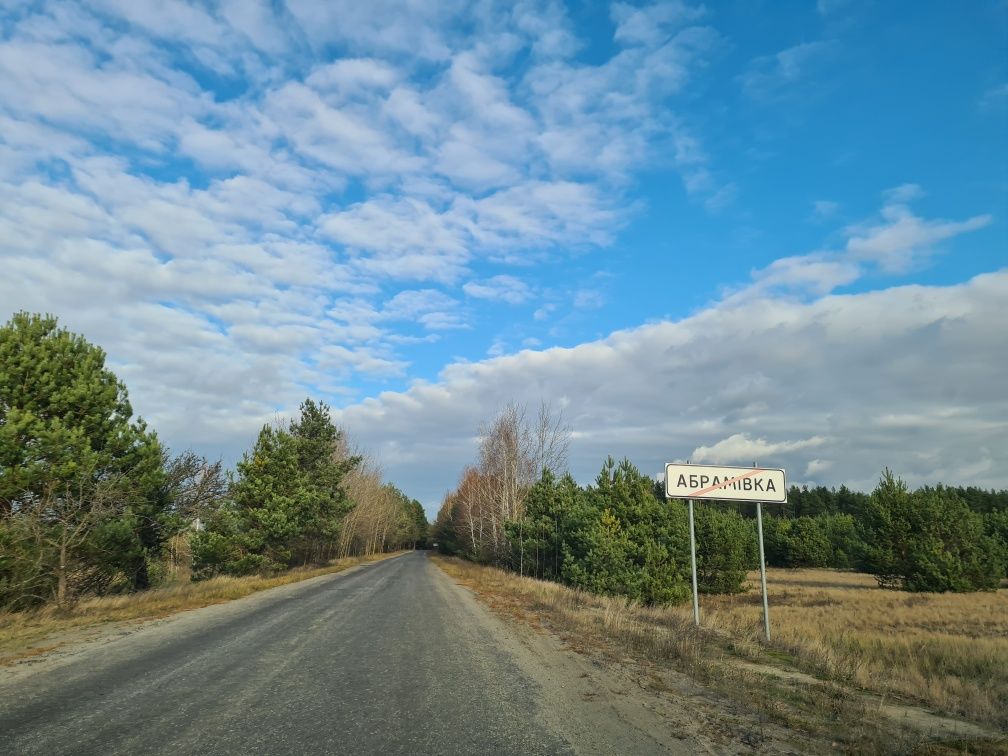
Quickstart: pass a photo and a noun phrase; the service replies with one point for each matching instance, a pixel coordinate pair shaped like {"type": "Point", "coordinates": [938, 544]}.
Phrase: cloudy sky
{"type": "Point", "coordinates": [727, 232]}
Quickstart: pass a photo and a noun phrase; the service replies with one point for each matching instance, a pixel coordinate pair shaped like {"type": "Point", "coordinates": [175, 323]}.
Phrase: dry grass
{"type": "Point", "coordinates": [949, 652]}
{"type": "Point", "coordinates": [32, 633]}
{"type": "Point", "coordinates": [946, 651]}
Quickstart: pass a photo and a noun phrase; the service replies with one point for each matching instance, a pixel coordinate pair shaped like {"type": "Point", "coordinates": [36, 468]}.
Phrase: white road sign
{"type": "Point", "coordinates": [726, 483]}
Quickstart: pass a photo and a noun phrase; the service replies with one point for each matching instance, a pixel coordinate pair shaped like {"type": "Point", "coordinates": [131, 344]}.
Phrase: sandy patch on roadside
{"type": "Point", "coordinates": [601, 707]}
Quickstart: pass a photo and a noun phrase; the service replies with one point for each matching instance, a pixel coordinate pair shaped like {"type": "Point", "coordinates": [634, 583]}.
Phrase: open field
{"type": "Point", "coordinates": [36, 632]}
{"type": "Point", "coordinates": [948, 651]}
{"type": "Point", "coordinates": [874, 670]}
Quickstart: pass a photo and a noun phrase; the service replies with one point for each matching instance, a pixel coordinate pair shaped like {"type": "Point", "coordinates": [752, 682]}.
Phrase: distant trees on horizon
{"type": "Point", "coordinates": [620, 536]}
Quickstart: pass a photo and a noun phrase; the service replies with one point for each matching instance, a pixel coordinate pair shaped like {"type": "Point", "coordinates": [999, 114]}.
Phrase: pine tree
{"type": "Point", "coordinates": [66, 433]}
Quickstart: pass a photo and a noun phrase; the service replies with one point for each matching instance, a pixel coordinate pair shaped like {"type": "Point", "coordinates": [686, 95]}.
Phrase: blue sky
{"type": "Point", "coordinates": [420, 211]}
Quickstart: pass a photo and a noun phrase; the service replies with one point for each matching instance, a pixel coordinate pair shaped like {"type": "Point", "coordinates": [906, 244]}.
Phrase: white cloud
{"type": "Point", "coordinates": [501, 288]}
{"type": "Point", "coordinates": [994, 98]}
{"type": "Point", "coordinates": [385, 27]}
{"type": "Point", "coordinates": [816, 273]}
{"type": "Point", "coordinates": [816, 466]}
{"type": "Point", "coordinates": [543, 312]}
{"type": "Point", "coordinates": [588, 299]}
{"type": "Point", "coordinates": [651, 24]}
{"type": "Point", "coordinates": [433, 309]}
{"type": "Point", "coordinates": [792, 384]}
{"type": "Point", "coordinates": [233, 219]}
{"type": "Point", "coordinates": [741, 447]}
{"type": "Point", "coordinates": [903, 194]}
{"type": "Point", "coordinates": [901, 240]}
{"type": "Point", "coordinates": [894, 243]}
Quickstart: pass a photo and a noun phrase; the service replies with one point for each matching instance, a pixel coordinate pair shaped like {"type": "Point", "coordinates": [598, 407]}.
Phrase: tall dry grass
{"type": "Point", "coordinates": [33, 632]}
{"type": "Point", "coordinates": [946, 651]}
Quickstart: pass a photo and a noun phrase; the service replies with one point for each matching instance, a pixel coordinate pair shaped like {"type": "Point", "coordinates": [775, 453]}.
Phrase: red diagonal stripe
{"type": "Point", "coordinates": [724, 483]}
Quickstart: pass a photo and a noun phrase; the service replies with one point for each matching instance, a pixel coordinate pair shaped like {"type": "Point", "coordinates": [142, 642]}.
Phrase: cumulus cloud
{"type": "Point", "coordinates": [242, 217]}
{"type": "Point", "coordinates": [894, 242]}
{"type": "Point", "coordinates": [214, 173]}
{"type": "Point", "coordinates": [832, 390]}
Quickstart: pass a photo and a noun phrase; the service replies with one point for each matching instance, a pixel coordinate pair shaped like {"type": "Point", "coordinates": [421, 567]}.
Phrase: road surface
{"type": "Point", "coordinates": [389, 658]}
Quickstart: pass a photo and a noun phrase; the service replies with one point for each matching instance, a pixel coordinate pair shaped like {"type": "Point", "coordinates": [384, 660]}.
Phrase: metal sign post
{"type": "Point", "coordinates": [752, 484]}
{"type": "Point", "coordinates": [692, 551]}
{"type": "Point", "coordinates": [762, 569]}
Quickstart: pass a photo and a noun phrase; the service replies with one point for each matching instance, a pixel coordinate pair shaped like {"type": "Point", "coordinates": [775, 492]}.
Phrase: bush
{"type": "Point", "coordinates": [928, 540]}
{"type": "Point", "coordinates": [845, 546]}
{"type": "Point", "coordinates": [808, 544]}
{"type": "Point", "coordinates": [726, 549]}
{"type": "Point", "coordinates": [27, 573]}
{"type": "Point", "coordinates": [996, 527]}
{"type": "Point", "coordinates": [827, 540]}
{"type": "Point", "coordinates": [618, 539]}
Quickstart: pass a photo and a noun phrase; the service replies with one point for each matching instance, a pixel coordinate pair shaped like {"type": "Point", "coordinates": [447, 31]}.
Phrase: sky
{"type": "Point", "coordinates": [724, 232]}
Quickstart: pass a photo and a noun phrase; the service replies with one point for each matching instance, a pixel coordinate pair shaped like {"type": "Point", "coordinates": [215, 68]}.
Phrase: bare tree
{"type": "Point", "coordinates": [378, 520]}
{"type": "Point", "coordinates": [514, 452]}
{"type": "Point", "coordinates": [194, 485]}
{"type": "Point", "coordinates": [65, 516]}
{"type": "Point", "coordinates": [550, 441]}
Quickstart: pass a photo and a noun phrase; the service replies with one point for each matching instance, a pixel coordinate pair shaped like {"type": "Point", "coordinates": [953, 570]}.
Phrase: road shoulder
{"type": "Point", "coordinates": [602, 708]}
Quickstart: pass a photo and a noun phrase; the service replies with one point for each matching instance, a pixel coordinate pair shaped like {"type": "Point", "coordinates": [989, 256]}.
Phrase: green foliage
{"type": "Point", "coordinates": [443, 536]}
{"type": "Point", "coordinates": [726, 549]}
{"type": "Point", "coordinates": [66, 426]}
{"type": "Point", "coordinates": [555, 512]}
{"type": "Point", "coordinates": [27, 570]}
{"type": "Point", "coordinates": [61, 413]}
{"type": "Point", "coordinates": [996, 527]}
{"type": "Point", "coordinates": [639, 541]}
{"type": "Point", "coordinates": [927, 540]}
{"type": "Point", "coordinates": [286, 502]}
{"type": "Point", "coordinates": [411, 526]}
{"type": "Point", "coordinates": [618, 538]}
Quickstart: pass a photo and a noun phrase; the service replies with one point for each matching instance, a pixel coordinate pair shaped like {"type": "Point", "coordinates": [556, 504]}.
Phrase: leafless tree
{"type": "Point", "coordinates": [194, 485]}
{"type": "Point", "coordinates": [66, 515]}
{"type": "Point", "coordinates": [378, 520]}
{"type": "Point", "coordinates": [514, 452]}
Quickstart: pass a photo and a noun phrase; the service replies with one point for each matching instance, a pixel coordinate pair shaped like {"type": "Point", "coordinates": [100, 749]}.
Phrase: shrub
{"type": "Point", "coordinates": [808, 544]}
{"type": "Point", "coordinates": [996, 527]}
{"type": "Point", "coordinates": [928, 540]}
{"type": "Point", "coordinates": [726, 549]}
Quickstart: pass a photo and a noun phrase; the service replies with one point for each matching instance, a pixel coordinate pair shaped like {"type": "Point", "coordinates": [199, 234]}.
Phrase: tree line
{"type": "Point", "coordinates": [934, 538]}
{"type": "Point", "coordinates": [92, 502]}
{"type": "Point", "coordinates": [517, 508]}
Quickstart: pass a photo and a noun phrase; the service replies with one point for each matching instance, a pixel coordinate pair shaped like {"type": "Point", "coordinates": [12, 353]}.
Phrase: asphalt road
{"type": "Point", "coordinates": [384, 659]}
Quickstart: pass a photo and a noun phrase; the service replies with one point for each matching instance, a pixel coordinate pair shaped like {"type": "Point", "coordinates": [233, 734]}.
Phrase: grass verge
{"type": "Point", "coordinates": [811, 678]}
{"type": "Point", "coordinates": [946, 651]}
{"type": "Point", "coordinates": [32, 633]}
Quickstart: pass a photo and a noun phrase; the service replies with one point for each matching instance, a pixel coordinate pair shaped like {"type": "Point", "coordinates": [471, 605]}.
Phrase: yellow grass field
{"type": "Point", "coordinates": [948, 651]}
